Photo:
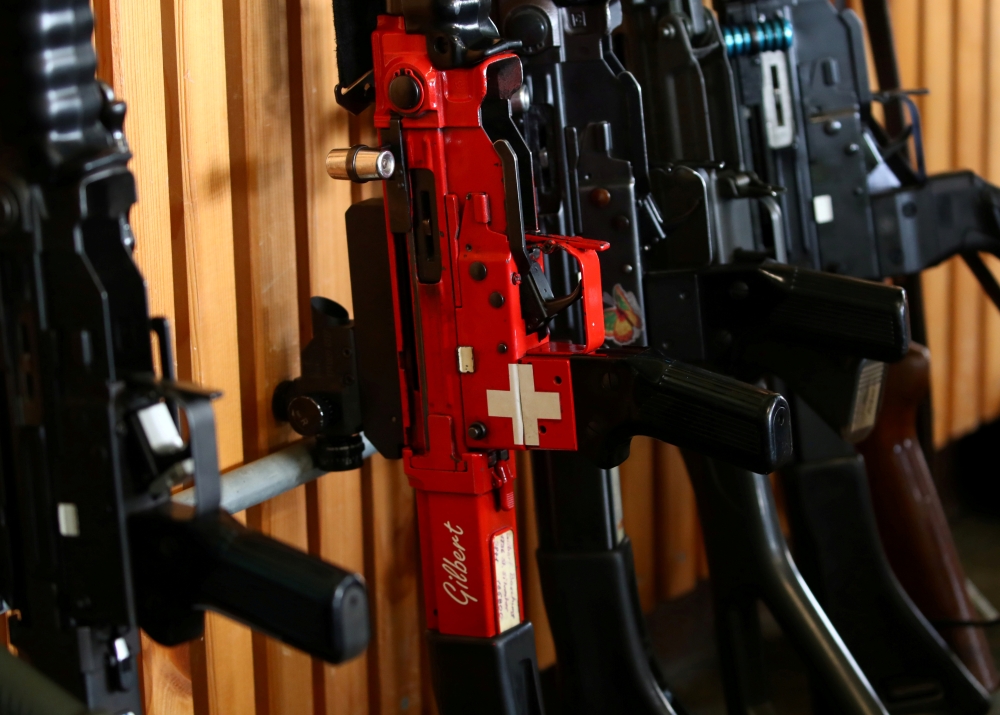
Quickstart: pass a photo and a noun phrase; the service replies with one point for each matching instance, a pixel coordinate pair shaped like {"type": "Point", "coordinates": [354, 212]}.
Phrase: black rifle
{"type": "Point", "coordinates": [584, 121]}
{"type": "Point", "coordinates": [91, 546]}
{"type": "Point", "coordinates": [779, 92]}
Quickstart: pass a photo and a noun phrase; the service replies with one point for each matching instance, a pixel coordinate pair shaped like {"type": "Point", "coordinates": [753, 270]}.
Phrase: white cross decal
{"type": "Point", "coordinates": [523, 405]}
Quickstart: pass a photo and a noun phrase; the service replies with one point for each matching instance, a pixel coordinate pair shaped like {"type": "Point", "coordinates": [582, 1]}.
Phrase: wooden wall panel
{"type": "Point", "coordinates": [260, 139]}
{"type": "Point", "coordinates": [638, 508]}
{"type": "Point", "coordinates": [678, 531]}
{"type": "Point", "coordinates": [935, 73]}
{"type": "Point", "coordinates": [968, 300]}
{"type": "Point", "coordinates": [335, 502]}
{"type": "Point", "coordinates": [201, 209]}
{"type": "Point", "coordinates": [205, 295]}
{"type": "Point", "coordinates": [991, 158]}
{"type": "Point", "coordinates": [392, 568]}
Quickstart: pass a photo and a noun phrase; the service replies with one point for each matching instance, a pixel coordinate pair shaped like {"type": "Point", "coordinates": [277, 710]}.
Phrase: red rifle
{"type": "Point", "coordinates": [454, 366]}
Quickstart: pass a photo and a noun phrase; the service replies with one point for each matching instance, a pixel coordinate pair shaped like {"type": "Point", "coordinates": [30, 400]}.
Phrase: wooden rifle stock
{"type": "Point", "coordinates": [911, 520]}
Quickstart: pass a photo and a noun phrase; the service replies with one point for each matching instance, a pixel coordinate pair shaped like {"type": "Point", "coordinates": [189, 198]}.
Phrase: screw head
{"type": "Point", "coordinates": [530, 26]}
{"type": "Point", "coordinates": [622, 222]}
{"type": "Point", "coordinates": [600, 197]}
{"type": "Point", "coordinates": [405, 93]}
{"type": "Point", "coordinates": [496, 299]}
{"type": "Point", "coordinates": [833, 127]}
{"type": "Point", "coordinates": [477, 430]}
{"type": "Point", "coordinates": [385, 165]}
{"type": "Point", "coordinates": [478, 271]}
{"type": "Point", "coordinates": [502, 348]}
{"type": "Point", "coordinates": [852, 149]}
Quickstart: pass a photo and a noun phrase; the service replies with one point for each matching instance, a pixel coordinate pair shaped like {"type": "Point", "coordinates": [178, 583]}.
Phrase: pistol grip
{"type": "Point", "coordinates": [623, 394]}
{"type": "Point", "coordinates": [773, 301]}
{"type": "Point", "coordinates": [212, 562]}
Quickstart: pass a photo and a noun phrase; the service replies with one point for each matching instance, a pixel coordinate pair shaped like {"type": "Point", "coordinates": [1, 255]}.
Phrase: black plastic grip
{"type": "Point", "coordinates": [779, 302]}
{"type": "Point", "coordinates": [620, 394]}
{"type": "Point", "coordinates": [215, 563]}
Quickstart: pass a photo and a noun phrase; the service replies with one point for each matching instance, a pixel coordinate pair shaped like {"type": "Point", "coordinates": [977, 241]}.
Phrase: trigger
{"type": "Point", "coordinates": [557, 305]}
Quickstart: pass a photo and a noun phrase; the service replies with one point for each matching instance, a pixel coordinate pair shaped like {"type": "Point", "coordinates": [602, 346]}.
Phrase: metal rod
{"type": "Point", "coordinates": [266, 478]}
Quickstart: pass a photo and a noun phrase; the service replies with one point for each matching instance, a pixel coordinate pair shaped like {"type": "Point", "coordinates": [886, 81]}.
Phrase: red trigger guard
{"type": "Point", "coordinates": [585, 251]}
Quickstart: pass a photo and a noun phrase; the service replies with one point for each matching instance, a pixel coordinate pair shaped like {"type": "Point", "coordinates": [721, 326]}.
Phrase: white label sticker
{"type": "Point", "coordinates": [69, 520]}
{"type": "Point", "coordinates": [823, 208]}
{"type": "Point", "coordinates": [505, 568]}
{"type": "Point", "coordinates": [616, 503]}
{"type": "Point", "coordinates": [868, 397]}
{"type": "Point", "coordinates": [778, 118]}
{"type": "Point", "coordinates": [161, 432]}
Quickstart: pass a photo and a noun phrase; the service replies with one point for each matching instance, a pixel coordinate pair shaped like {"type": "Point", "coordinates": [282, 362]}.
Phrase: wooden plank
{"type": "Point", "coordinates": [340, 539]}
{"type": "Point", "coordinates": [969, 147]}
{"type": "Point", "coordinates": [991, 316]}
{"type": "Point", "coordinates": [127, 39]}
{"type": "Point", "coordinates": [638, 508]}
{"type": "Point", "coordinates": [319, 124]}
{"type": "Point", "coordinates": [392, 565]}
{"type": "Point", "coordinates": [677, 529]}
{"type": "Point", "coordinates": [531, 585]}
{"type": "Point", "coordinates": [207, 341]}
{"type": "Point", "coordinates": [936, 30]}
{"type": "Point", "coordinates": [166, 674]}
{"type": "Point", "coordinates": [260, 130]}
{"type": "Point", "coordinates": [202, 210]}
{"type": "Point", "coordinates": [906, 23]}
{"type": "Point", "coordinates": [324, 126]}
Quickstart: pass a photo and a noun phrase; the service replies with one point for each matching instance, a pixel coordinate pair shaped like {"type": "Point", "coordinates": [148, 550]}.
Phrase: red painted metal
{"type": "Point", "coordinates": [458, 453]}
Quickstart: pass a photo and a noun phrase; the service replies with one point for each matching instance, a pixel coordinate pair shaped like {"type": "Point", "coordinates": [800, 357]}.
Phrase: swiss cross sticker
{"type": "Point", "coordinates": [522, 405]}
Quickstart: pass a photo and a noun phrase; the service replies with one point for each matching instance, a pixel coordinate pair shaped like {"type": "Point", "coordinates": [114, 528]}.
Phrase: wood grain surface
{"type": "Point", "coordinates": [260, 140]}
{"type": "Point", "coordinates": [205, 289]}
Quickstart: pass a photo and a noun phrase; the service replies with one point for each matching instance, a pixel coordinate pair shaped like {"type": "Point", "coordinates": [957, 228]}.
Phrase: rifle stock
{"type": "Point", "coordinates": [911, 520]}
